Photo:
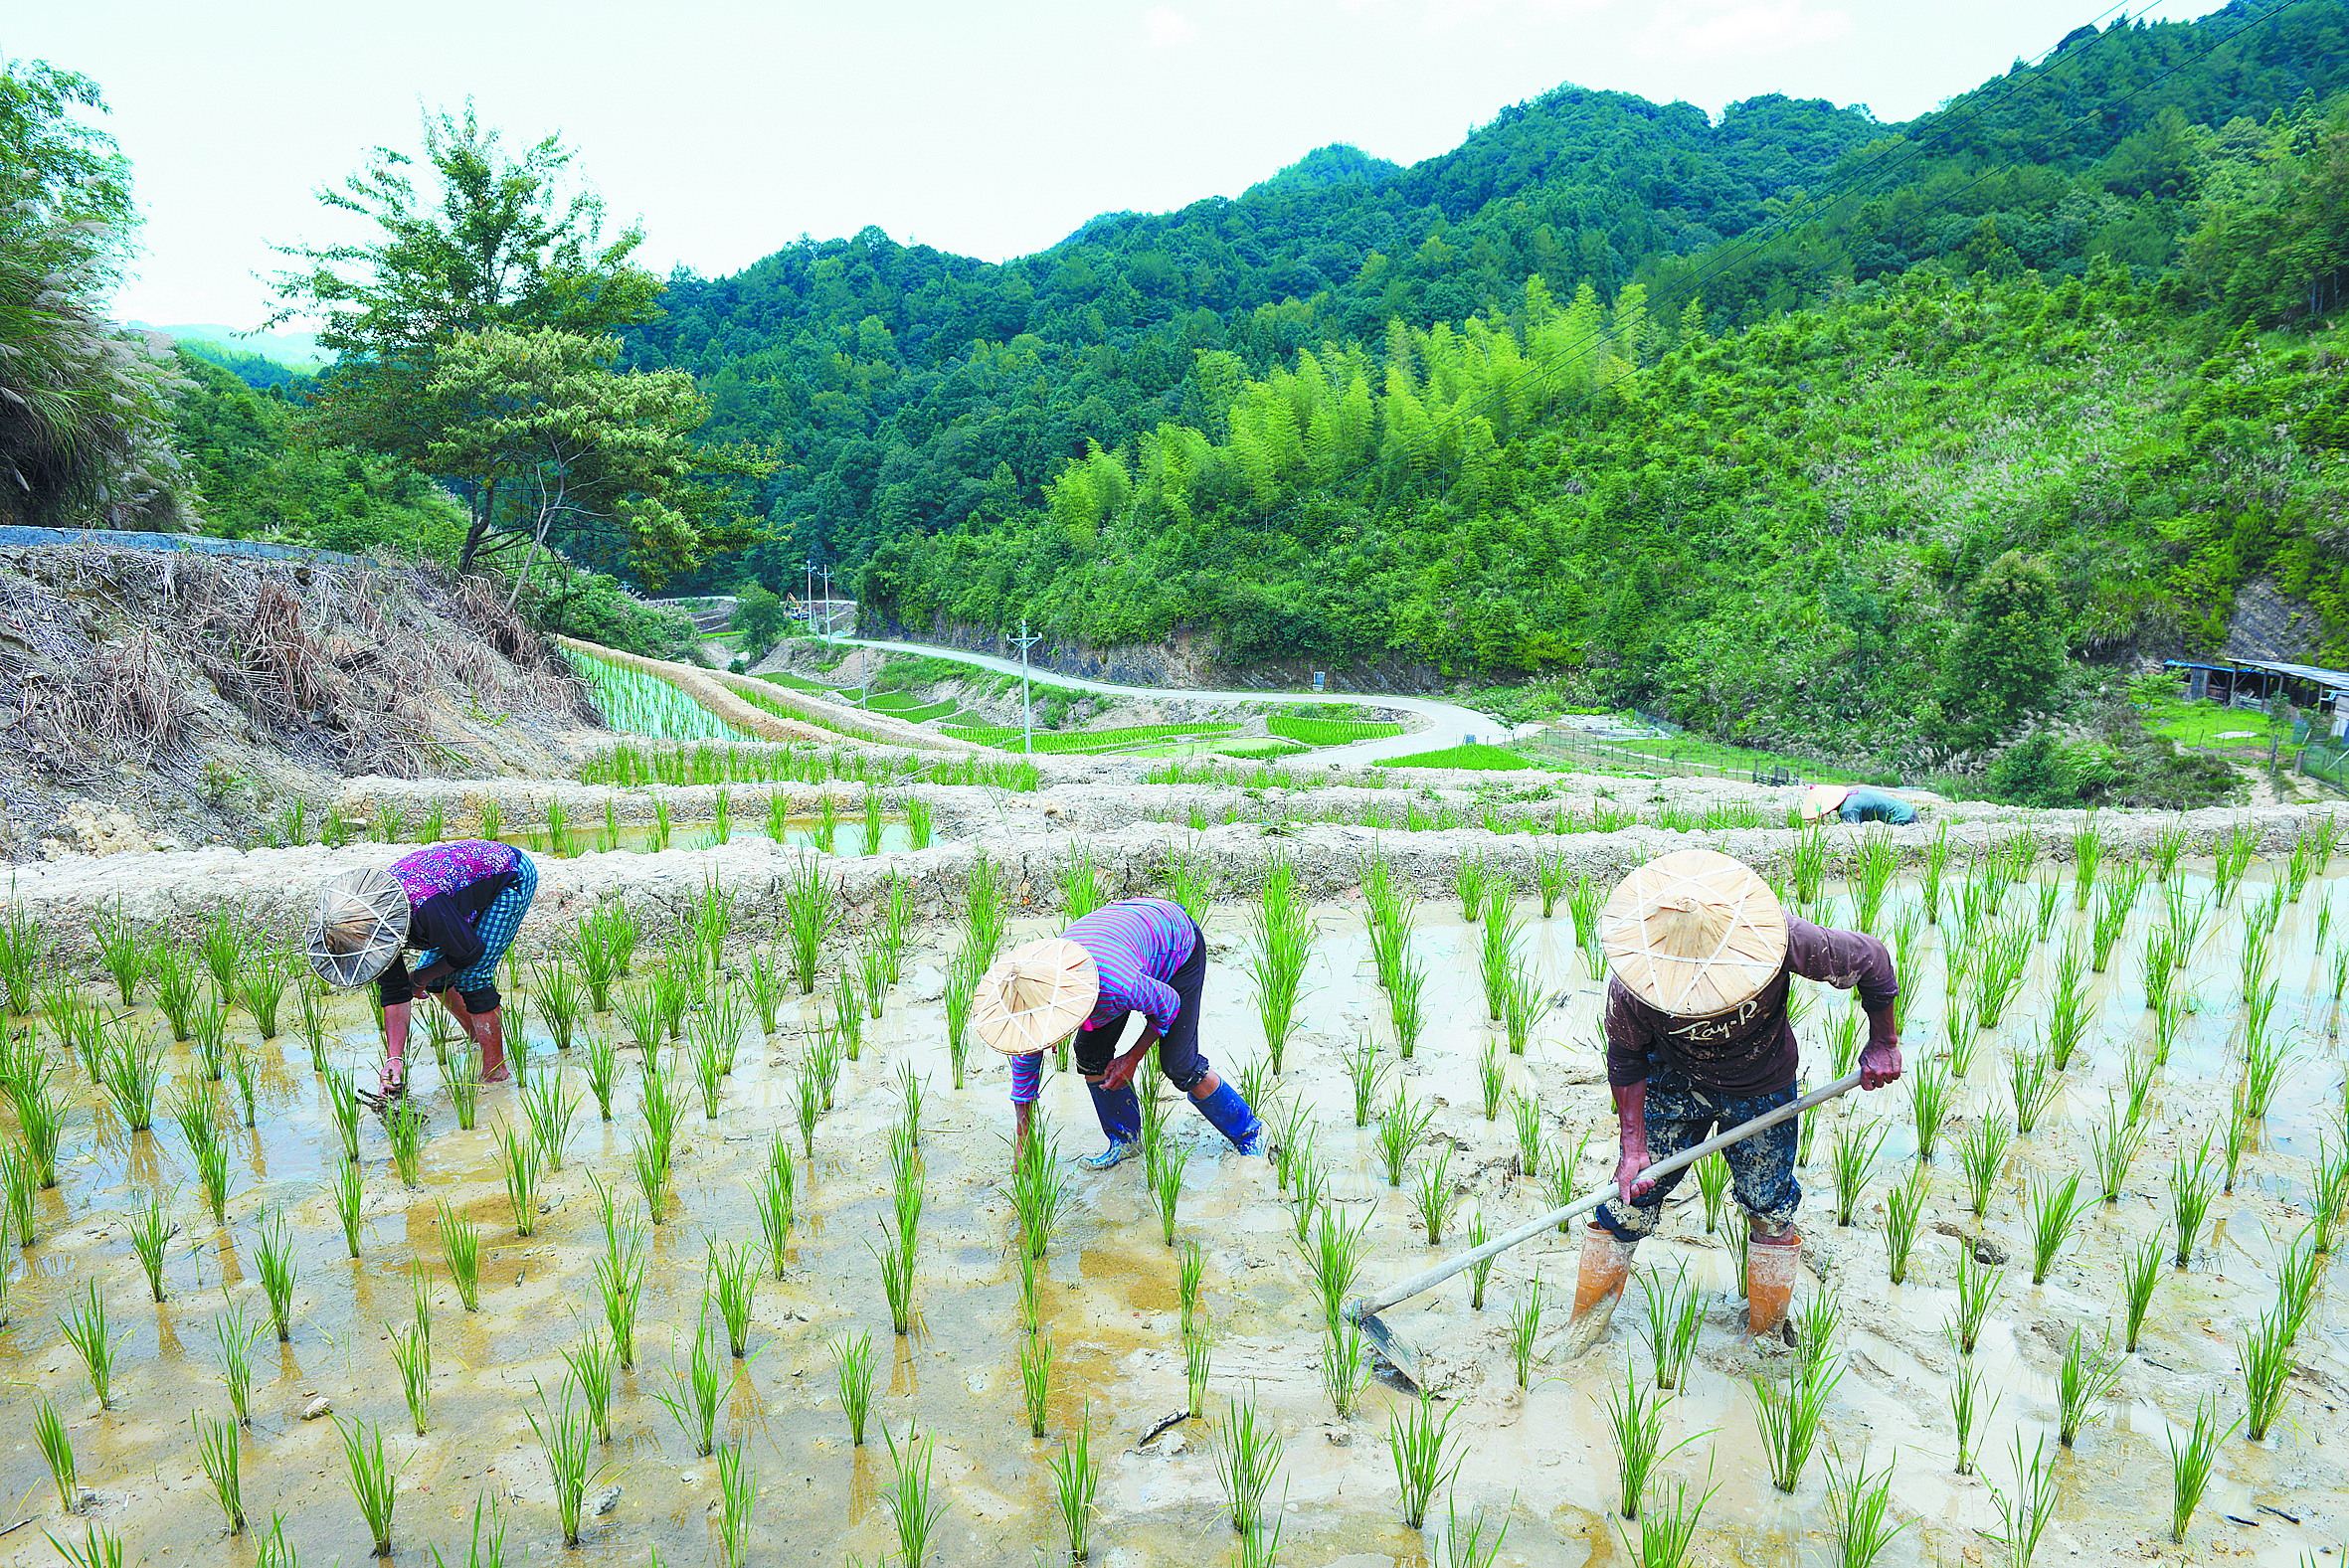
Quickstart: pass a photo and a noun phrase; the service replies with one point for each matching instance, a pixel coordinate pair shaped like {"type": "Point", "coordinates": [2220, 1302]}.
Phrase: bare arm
{"type": "Point", "coordinates": [394, 1031]}
{"type": "Point", "coordinates": [1120, 1072]}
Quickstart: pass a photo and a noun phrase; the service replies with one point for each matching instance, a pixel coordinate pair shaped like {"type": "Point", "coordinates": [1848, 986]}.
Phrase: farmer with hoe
{"type": "Point", "coordinates": [1144, 958]}
{"type": "Point", "coordinates": [458, 905]}
{"type": "Point", "coordinates": [1699, 956]}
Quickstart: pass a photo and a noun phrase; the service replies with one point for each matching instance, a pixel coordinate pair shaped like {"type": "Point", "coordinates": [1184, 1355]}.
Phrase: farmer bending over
{"type": "Point", "coordinates": [1144, 956]}
{"type": "Point", "coordinates": [1856, 803]}
{"type": "Point", "coordinates": [458, 905]}
{"type": "Point", "coordinates": [1700, 957]}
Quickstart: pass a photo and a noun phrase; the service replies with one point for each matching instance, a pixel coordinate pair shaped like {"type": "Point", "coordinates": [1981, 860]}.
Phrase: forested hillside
{"type": "Point", "coordinates": [918, 393]}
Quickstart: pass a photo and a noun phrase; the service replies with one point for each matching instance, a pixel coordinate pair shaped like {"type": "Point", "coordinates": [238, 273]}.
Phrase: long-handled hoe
{"type": "Point", "coordinates": [1405, 1358]}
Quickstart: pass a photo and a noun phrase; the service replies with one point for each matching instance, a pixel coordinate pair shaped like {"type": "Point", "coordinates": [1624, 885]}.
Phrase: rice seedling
{"type": "Point", "coordinates": [1560, 1174]}
{"type": "Point", "coordinates": [133, 1070]}
{"type": "Point", "coordinates": [222, 946]}
{"type": "Point", "coordinates": [2296, 1276]}
{"type": "Point", "coordinates": [518, 1158]}
{"type": "Point", "coordinates": [342, 1104]}
{"type": "Point", "coordinates": [234, 1334]}
{"type": "Point", "coordinates": [852, 1362]}
{"type": "Point", "coordinates": [810, 911]}
{"type": "Point", "coordinates": [404, 1123]}
{"type": "Point", "coordinates": [1400, 1128]}
{"type": "Point", "coordinates": [897, 1282]}
{"type": "Point", "coordinates": [219, 1449]}
{"type": "Point", "coordinates": [2339, 969]}
{"type": "Point", "coordinates": [1674, 1314]}
{"type": "Point", "coordinates": [620, 1281]}
{"type": "Point", "coordinates": [1367, 1075]}
{"type": "Point", "coordinates": [1418, 1443]}
{"type": "Point", "coordinates": [2032, 1082]}
{"type": "Point", "coordinates": [1333, 1259]}
{"type": "Point", "coordinates": [2191, 1464]}
{"type": "Point", "coordinates": [1406, 1005]}
{"type": "Point", "coordinates": [1550, 877]}
{"type": "Point", "coordinates": [263, 989]}
{"type": "Point", "coordinates": [774, 1196]}
{"type": "Point", "coordinates": [911, 1510]}
{"type": "Point", "coordinates": [1432, 1194]}
{"type": "Point", "coordinates": [2068, 1006]}
{"type": "Point", "coordinates": [1842, 1040]}
{"type": "Point", "coordinates": [99, 1548]}
{"type": "Point", "coordinates": [40, 1118]}
{"type": "Point", "coordinates": [2004, 960]}
{"type": "Point", "coordinates": [245, 1073]}
{"type": "Point", "coordinates": [2050, 896]}
{"type": "Point", "coordinates": [19, 1187]}
{"type": "Point", "coordinates": [48, 1432]}
{"type": "Point", "coordinates": [1969, 1412]}
{"type": "Point", "coordinates": [568, 1440]}
{"type": "Point", "coordinates": [2190, 1200]}
{"type": "Point", "coordinates": [460, 1245]}
{"type": "Point", "coordinates": [1858, 1510]}
{"type": "Point", "coordinates": [1036, 1383]}
{"type": "Point", "coordinates": [1524, 1326]}
{"type": "Point", "coordinates": [151, 1230]}
{"type": "Point", "coordinates": [2086, 1379]}
{"type": "Point", "coordinates": [1977, 1289]}
{"type": "Point", "coordinates": [1076, 1480]}
{"type": "Point", "coordinates": [2025, 1517]}
{"type": "Point", "coordinates": [375, 1482]}
{"type": "Point", "coordinates": [2055, 1209]}
{"type": "Point", "coordinates": [123, 949]}
{"type": "Point", "coordinates": [2139, 1269]}
{"type": "Point", "coordinates": [24, 955]}
{"type": "Point", "coordinates": [86, 1331]}
{"type": "Point", "coordinates": [1856, 1145]}
{"type": "Point", "coordinates": [412, 1353]}
{"type": "Point", "coordinates": [274, 1261]}
{"type": "Point", "coordinates": [733, 1284]}
{"type": "Point", "coordinates": [738, 1490]}
{"type": "Point", "coordinates": [2265, 1355]}
{"type": "Point", "coordinates": [1346, 1370]}
{"type": "Point", "coordinates": [1637, 1421]}
{"type": "Point", "coordinates": [1524, 1112]}
{"type": "Point", "coordinates": [696, 1391]}
{"type": "Point", "coordinates": [1790, 1416]}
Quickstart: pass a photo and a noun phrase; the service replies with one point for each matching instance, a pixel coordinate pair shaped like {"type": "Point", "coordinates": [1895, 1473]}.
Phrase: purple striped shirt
{"type": "Point", "coordinates": [1137, 946]}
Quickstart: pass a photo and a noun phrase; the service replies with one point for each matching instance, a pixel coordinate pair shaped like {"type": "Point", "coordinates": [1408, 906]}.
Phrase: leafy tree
{"type": "Point", "coordinates": [762, 618]}
{"type": "Point", "coordinates": [541, 419]}
{"type": "Point", "coordinates": [2007, 660]}
{"type": "Point", "coordinates": [491, 244]}
{"type": "Point", "coordinates": [85, 419]}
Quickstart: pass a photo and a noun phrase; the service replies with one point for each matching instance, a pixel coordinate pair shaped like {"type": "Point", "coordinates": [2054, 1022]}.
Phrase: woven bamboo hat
{"type": "Point", "coordinates": [1035, 996]}
{"type": "Point", "coordinates": [360, 927]}
{"type": "Point", "coordinates": [1692, 933]}
{"type": "Point", "coordinates": [1820, 799]}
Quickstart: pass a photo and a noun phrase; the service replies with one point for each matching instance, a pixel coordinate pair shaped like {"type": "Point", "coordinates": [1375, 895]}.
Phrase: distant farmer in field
{"type": "Point", "coordinates": [1700, 957]}
{"type": "Point", "coordinates": [1143, 957]}
{"type": "Point", "coordinates": [1856, 803]}
{"type": "Point", "coordinates": [459, 906]}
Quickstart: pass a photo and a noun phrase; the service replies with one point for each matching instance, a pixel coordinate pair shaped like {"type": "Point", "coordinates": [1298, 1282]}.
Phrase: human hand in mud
{"type": "Point", "coordinates": [1120, 1071]}
{"type": "Point", "coordinates": [1880, 1065]}
{"type": "Point", "coordinates": [1628, 1184]}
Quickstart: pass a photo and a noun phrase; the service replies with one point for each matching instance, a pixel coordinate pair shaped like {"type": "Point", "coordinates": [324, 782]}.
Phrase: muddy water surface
{"type": "Point", "coordinates": [1544, 1455]}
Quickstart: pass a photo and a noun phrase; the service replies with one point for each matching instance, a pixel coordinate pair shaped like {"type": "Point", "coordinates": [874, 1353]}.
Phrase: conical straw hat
{"type": "Point", "coordinates": [1820, 799]}
{"type": "Point", "coordinates": [1692, 933]}
{"type": "Point", "coordinates": [1035, 996]}
{"type": "Point", "coordinates": [360, 927]}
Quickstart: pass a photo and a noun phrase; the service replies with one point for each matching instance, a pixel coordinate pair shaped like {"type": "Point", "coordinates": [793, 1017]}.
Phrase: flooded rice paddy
{"type": "Point", "coordinates": [1543, 1458]}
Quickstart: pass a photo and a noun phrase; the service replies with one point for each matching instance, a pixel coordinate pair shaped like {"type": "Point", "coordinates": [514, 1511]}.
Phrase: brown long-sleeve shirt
{"type": "Point", "coordinates": [1750, 1049]}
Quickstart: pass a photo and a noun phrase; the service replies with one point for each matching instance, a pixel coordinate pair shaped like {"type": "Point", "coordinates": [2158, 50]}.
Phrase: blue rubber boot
{"type": "Point", "coordinates": [1232, 1118]}
{"type": "Point", "coordinates": [1120, 1113]}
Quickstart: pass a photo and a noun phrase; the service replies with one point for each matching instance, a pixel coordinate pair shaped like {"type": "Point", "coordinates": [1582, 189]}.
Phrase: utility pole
{"type": "Point", "coordinates": [807, 604]}
{"type": "Point", "coordinates": [827, 599]}
{"type": "Point", "coordinates": [1028, 709]}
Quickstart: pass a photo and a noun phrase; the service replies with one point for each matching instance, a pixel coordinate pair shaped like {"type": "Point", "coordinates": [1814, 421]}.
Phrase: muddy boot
{"type": "Point", "coordinates": [1770, 1264]}
{"type": "Point", "coordinates": [1233, 1118]}
{"type": "Point", "coordinates": [1598, 1286]}
{"type": "Point", "coordinates": [1120, 1112]}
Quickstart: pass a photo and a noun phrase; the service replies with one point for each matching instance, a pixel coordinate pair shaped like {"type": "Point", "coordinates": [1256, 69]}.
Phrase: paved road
{"type": "Point", "coordinates": [1447, 723]}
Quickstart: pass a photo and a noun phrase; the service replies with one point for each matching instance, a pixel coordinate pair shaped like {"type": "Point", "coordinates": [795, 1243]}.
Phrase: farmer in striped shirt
{"type": "Point", "coordinates": [1144, 957]}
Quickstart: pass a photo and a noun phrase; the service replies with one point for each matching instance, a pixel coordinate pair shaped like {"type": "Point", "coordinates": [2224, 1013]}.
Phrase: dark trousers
{"type": "Point", "coordinates": [1761, 1169]}
{"type": "Point", "coordinates": [1180, 1058]}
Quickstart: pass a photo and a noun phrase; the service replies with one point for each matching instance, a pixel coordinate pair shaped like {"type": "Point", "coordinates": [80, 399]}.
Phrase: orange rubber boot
{"type": "Point", "coordinates": [1598, 1286]}
{"type": "Point", "coordinates": [1770, 1264]}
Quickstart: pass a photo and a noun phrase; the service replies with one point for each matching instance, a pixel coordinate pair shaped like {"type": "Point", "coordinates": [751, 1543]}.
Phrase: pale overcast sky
{"type": "Point", "coordinates": [989, 130]}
